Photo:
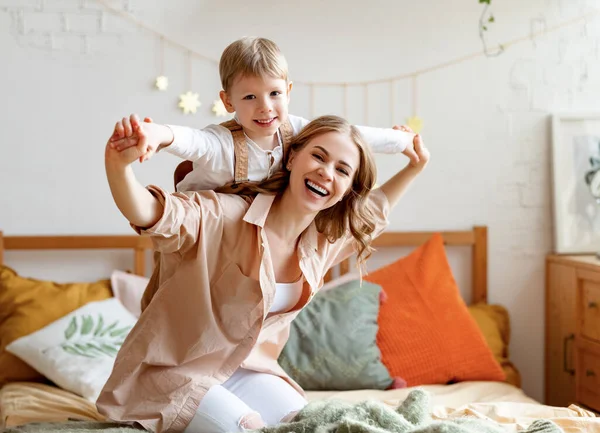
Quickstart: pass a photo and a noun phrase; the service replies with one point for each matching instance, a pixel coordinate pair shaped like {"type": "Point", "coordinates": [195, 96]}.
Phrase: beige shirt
{"type": "Point", "coordinates": [208, 316]}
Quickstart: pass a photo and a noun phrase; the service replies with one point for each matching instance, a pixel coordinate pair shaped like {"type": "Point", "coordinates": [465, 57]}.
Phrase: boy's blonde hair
{"type": "Point", "coordinates": [251, 56]}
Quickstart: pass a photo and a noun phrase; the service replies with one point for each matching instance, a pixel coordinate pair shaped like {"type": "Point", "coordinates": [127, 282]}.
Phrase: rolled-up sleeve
{"type": "Point", "coordinates": [184, 217]}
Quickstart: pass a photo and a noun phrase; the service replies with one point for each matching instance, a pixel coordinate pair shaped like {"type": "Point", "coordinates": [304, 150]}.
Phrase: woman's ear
{"type": "Point", "coordinates": [288, 166]}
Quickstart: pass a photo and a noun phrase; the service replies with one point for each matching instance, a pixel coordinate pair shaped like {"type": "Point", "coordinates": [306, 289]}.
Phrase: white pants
{"type": "Point", "coordinates": [244, 393]}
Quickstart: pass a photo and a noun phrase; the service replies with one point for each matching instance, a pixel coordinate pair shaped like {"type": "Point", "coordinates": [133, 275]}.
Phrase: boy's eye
{"type": "Point", "coordinates": [275, 93]}
{"type": "Point", "coordinates": [249, 97]}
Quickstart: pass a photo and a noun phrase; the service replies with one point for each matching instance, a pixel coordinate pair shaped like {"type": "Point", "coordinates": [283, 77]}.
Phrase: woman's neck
{"type": "Point", "coordinates": [286, 220]}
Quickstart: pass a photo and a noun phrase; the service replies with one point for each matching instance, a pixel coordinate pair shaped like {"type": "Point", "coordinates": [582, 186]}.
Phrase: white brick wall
{"type": "Point", "coordinates": [76, 26]}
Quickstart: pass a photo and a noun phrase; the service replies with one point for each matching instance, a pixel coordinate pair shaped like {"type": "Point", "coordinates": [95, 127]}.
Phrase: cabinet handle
{"type": "Point", "coordinates": [590, 373]}
{"type": "Point", "coordinates": [566, 369]}
{"type": "Point", "coordinates": [592, 305]}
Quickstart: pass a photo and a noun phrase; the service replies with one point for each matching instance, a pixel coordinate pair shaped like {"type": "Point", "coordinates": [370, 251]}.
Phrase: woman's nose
{"type": "Point", "coordinates": [325, 172]}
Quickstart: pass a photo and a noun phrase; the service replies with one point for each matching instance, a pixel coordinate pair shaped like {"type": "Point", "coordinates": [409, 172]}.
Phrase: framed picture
{"type": "Point", "coordinates": [576, 182]}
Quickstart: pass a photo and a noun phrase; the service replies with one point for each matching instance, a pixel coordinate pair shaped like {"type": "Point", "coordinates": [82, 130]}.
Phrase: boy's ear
{"type": "Point", "coordinates": [289, 90]}
{"type": "Point", "coordinates": [226, 101]}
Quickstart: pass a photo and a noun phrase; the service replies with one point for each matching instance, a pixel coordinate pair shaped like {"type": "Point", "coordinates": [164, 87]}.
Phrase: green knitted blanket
{"type": "Point", "coordinates": [412, 416]}
{"type": "Point", "coordinates": [330, 416]}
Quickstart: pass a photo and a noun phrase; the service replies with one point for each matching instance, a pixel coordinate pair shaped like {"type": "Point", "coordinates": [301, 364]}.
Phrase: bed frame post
{"type": "Point", "coordinates": [479, 267]}
{"type": "Point", "coordinates": [139, 262]}
{"type": "Point", "coordinates": [1, 248]}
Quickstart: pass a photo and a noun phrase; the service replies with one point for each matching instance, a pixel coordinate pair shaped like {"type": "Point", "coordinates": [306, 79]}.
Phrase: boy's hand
{"type": "Point", "coordinates": [125, 135]}
{"type": "Point", "coordinates": [409, 152]}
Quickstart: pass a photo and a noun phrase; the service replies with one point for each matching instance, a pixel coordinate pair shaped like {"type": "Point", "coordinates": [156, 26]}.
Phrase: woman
{"type": "Point", "coordinates": [235, 272]}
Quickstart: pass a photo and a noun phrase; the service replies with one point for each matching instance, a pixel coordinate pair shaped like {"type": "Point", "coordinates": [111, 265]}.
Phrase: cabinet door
{"type": "Point", "coordinates": [561, 325]}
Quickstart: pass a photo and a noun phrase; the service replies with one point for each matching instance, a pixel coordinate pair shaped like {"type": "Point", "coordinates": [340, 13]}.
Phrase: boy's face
{"type": "Point", "coordinates": [261, 104]}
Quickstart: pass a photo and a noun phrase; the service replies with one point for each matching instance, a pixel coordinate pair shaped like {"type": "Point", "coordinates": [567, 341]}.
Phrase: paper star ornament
{"type": "Point", "coordinates": [415, 123]}
{"type": "Point", "coordinates": [219, 108]}
{"type": "Point", "coordinates": [162, 83]}
{"type": "Point", "coordinates": [189, 102]}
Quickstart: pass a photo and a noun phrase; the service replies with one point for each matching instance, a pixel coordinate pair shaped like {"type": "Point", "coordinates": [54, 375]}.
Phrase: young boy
{"type": "Point", "coordinates": [250, 147]}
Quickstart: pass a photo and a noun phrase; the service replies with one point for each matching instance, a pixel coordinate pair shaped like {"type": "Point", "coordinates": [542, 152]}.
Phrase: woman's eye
{"type": "Point", "coordinates": [317, 156]}
{"type": "Point", "coordinates": [343, 171]}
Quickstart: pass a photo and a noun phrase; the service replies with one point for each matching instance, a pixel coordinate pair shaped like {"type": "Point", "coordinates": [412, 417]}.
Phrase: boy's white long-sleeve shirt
{"type": "Point", "coordinates": [211, 150]}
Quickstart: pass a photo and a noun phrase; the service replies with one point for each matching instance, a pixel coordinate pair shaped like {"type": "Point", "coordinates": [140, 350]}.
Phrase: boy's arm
{"type": "Point", "coordinates": [193, 144]}
{"type": "Point", "coordinates": [386, 140]}
{"type": "Point", "coordinates": [186, 143]}
{"type": "Point", "coordinates": [382, 140]}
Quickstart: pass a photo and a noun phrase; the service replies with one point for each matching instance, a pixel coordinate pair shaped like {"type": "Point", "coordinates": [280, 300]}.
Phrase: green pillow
{"type": "Point", "coordinates": [332, 344]}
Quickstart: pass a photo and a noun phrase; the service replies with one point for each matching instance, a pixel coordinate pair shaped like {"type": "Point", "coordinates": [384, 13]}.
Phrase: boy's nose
{"type": "Point", "coordinates": [266, 106]}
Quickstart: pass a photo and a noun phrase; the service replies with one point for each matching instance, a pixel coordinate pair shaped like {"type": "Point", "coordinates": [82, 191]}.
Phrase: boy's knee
{"type": "Point", "coordinates": [251, 421]}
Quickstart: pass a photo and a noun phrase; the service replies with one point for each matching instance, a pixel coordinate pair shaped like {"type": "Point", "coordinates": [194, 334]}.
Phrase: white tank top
{"type": "Point", "coordinates": [287, 296]}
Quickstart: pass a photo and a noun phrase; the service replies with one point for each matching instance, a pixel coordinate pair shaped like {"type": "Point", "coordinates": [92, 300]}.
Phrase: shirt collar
{"type": "Point", "coordinates": [259, 209]}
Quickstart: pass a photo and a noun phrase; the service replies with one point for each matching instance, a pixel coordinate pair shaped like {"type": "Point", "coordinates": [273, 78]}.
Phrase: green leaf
{"type": "Point", "coordinates": [87, 326]}
{"type": "Point", "coordinates": [120, 332]}
{"type": "Point", "coordinates": [110, 328]}
{"type": "Point", "coordinates": [99, 325]}
{"type": "Point", "coordinates": [96, 350]}
{"type": "Point", "coordinates": [491, 19]}
{"type": "Point", "coordinates": [72, 328]}
{"type": "Point", "coordinates": [485, 1]}
{"type": "Point", "coordinates": [75, 351]}
{"type": "Point", "coordinates": [112, 350]}
{"type": "Point", "coordinates": [484, 28]}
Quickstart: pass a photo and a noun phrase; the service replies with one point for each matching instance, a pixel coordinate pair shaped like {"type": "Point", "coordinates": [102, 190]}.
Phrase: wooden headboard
{"type": "Point", "coordinates": [475, 238]}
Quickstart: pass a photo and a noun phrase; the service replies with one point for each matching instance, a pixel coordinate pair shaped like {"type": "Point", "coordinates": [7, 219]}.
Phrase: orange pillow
{"type": "Point", "coordinates": [27, 305]}
{"type": "Point", "coordinates": [426, 334]}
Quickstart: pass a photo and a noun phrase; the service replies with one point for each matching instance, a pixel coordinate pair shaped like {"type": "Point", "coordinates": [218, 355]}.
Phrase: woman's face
{"type": "Point", "coordinates": [323, 171]}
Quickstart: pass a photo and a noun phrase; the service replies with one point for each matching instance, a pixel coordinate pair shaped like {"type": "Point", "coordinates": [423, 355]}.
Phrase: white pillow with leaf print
{"type": "Point", "coordinates": [77, 352]}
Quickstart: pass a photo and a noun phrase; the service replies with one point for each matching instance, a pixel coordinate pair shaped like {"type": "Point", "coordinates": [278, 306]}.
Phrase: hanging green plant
{"type": "Point", "coordinates": [484, 21]}
{"type": "Point", "coordinates": [89, 338]}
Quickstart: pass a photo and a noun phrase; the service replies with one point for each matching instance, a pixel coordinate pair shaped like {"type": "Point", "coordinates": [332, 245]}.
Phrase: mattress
{"type": "Point", "coordinates": [25, 402]}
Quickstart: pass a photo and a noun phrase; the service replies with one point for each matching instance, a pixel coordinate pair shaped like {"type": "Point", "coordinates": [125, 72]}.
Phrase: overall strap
{"type": "Point", "coordinates": [287, 133]}
{"type": "Point", "coordinates": [240, 150]}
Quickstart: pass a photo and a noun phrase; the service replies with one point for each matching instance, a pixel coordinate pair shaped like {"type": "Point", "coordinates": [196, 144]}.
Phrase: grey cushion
{"type": "Point", "coordinates": [332, 344]}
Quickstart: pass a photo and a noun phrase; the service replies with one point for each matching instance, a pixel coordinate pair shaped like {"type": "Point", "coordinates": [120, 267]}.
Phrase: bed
{"type": "Point", "coordinates": [23, 402]}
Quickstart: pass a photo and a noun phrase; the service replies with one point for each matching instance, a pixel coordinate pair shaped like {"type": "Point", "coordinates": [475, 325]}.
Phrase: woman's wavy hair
{"type": "Point", "coordinates": [352, 213]}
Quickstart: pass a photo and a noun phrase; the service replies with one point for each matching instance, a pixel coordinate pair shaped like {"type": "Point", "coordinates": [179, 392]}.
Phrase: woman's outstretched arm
{"type": "Point", "coordinates": [134, 201]}
{"type": "Point", "coordinates": [397, 185]}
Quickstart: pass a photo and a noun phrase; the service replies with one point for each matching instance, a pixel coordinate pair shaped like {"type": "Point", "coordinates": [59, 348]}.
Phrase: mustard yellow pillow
{"type": "Point", "coordinates": [494, 323]}
{"type": "Point", "coordinates": [27, 305]}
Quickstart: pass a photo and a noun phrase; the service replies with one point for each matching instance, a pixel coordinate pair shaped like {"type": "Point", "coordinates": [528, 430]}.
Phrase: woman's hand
{"type": "Point", "coordinates": [129, 131]}
{"type": "Point", "coordinates": [130, 148]}
{"type": "Point", "coordinates": [422, 153]}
